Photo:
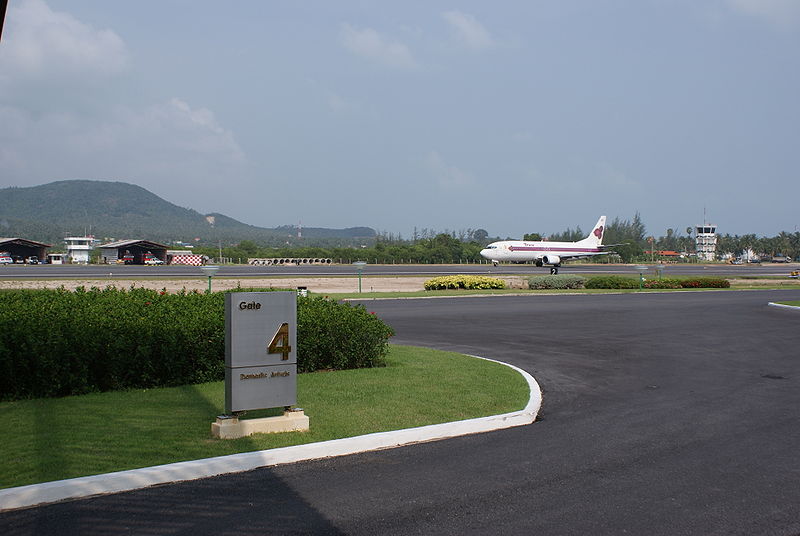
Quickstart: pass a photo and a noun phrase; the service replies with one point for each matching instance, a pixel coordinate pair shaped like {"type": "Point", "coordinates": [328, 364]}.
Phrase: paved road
{"type": "Point", "coordinates": [123, 271]}
{"type": "Point", "coordinates": [663, 414]}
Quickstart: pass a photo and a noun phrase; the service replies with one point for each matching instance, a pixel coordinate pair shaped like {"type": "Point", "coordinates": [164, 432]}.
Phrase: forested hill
{"type": "Point", "coordinates": [119, 210]}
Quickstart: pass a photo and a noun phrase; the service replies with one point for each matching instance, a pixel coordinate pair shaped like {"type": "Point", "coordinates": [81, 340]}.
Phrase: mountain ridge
{"type": "Point", "coordinates": [115, 209]}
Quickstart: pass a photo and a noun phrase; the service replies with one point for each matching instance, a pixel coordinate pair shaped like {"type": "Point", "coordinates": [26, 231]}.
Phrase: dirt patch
{"type": "Point", "coordinates": [765, 282]}
{"type": "Point", "coordinates": [314, 284]}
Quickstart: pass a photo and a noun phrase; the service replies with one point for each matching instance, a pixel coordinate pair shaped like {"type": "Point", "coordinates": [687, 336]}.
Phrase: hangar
{"type": "Point", "coordinates": [132, 252]}
{"type": "Point", "coordinates": [20, 249]}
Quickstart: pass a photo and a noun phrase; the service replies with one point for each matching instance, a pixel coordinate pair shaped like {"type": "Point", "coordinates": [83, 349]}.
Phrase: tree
{"type": "Point", "coordinates": [532, 237]}
{"type": "Point", "coordinates": [480, 235]}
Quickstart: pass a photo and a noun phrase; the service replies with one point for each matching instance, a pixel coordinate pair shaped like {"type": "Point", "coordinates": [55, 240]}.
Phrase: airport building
{"type": "Point", "coordinates": [133, 252]}
{"type": "Point", "coordinates": [706, 241]}
{"type": "Point", "coordinates": [79, 248]}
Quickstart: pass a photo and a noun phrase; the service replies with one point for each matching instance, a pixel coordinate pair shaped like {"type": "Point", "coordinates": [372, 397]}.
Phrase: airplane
{"type": "Point", "coordinates": [544, 252]}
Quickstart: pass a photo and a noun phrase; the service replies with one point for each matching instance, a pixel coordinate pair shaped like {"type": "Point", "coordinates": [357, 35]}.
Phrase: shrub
{"type": "Point", "coordinates": [612, 282]}
{"type": "Point", "coordinates": [622, 282]}
{"type": "Point", "coordinates": [705, 282]}
{"type": "Point", "coordinates": [561, 282]}
{"type": "Point", "coordinates": [662, 283]}
{"type": "Point", "coordinates": [334, 335]}
{"type": "Point", "coordinates": [58, 343]}
{"type": "Point", "coordinates": [468, 282]}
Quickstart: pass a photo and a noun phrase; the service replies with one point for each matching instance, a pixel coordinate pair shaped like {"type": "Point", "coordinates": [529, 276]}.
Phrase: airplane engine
{"type": "Point", "coordinates": [551, 259]}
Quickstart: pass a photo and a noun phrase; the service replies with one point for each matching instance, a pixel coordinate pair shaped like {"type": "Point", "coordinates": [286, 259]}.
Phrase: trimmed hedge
{"type": "Point", "coordinates": [467, 282]}
{"type": "Point", "coordinates": [561, 282]}
{"type": "Point", "coordinates": [334, 335]}
{"type": "Point", "coordinates": [662, 283]}
{"type": "Point", "coordinates": [612, 282]}
{"type": "Point", "coordinates": [623, 282]}
{"type": "Point", "coordinates": [705, 282]}
{"type": "Point", "coordinates": [58, 343]}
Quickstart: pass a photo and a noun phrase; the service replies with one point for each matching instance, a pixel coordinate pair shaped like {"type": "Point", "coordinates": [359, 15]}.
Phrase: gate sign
{"type": "Point", "coordinates": [260, 350]}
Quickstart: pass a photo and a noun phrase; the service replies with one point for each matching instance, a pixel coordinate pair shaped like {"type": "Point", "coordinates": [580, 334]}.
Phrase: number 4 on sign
{"type": "Point", "coordinates": [280, 342]}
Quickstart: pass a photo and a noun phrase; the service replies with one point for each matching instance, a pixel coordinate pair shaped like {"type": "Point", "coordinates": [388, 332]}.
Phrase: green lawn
{"type": "Point", "coordinates": [53, 439]}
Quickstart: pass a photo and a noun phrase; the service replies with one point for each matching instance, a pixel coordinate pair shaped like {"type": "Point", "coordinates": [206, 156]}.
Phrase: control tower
{"type": "Point", "coordinates": [79, 248]}
{"type": "Point", "coordinates": [706, 241]}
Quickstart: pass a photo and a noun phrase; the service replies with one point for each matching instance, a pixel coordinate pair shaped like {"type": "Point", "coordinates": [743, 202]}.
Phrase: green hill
{"type": "Point", "coordinates": [120, 210]}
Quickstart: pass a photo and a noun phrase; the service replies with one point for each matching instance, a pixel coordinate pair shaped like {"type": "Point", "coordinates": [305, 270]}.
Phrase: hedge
{"type": "Point", "coordinates": [561, 282]}
{"type": "Point", "coordinates": [468, 282]}
{"type": "Point", "coordinates": [612, 282]}
{"type": "Point", "coordinates": [58, 343]}
{"type": "Point", "coordinates": [705, 282]}
{"type": "Point", "coordinates": [623, 282]}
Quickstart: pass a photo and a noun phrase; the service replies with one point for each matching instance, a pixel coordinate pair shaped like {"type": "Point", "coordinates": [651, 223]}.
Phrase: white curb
{"type": "Point", "coordinates": [48, 492]}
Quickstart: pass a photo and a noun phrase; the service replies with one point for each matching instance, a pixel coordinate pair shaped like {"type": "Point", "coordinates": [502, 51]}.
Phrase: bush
{"type": "Point", "coordinates": [622, 282]}
{"type": "Point", "coordinates": [561, 282]}
{"type": "Point", "coordinates": [612, 282]}
{"type": "Point", "coordinates": [334, 335]}
{"type": "Point", "coordinates": [662, 283]}
{"type": "Point", "coordinates": [705, 282]}
{"type": "Point", "coordinates": [468, 282]}
{"type": "Point", "coordinates": [58, 343]}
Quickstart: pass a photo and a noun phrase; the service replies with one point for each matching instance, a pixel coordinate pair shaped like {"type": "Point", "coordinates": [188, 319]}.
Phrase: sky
{"type": "Point", "coordinates": [514, 116]}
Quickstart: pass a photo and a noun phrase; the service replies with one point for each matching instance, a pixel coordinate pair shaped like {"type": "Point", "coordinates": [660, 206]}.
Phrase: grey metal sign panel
{"type": "Point", "coordinates": [260, 328]}
{"type": "Point", "coordinates": [260, 350]}
{"type": "Point", "coordinates": [249, 388]}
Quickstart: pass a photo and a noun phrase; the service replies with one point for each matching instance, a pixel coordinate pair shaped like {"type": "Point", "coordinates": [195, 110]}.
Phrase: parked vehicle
{"type": "Point", "coordinates": [151, 259]}
{"type": "Point", "coordinates": [33, 259]}
{"type": "Point", "coordinates": [126, 259]}
{"type": "Point", "coordinates": [5, 258]}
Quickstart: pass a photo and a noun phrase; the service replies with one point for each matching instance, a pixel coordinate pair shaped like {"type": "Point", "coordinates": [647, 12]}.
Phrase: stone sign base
{"type": "Point", "coordinates": [232, 428]}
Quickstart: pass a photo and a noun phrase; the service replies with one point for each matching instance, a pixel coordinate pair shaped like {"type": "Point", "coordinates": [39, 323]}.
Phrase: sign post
{"type": "Point", "coordinates": [260, 363]}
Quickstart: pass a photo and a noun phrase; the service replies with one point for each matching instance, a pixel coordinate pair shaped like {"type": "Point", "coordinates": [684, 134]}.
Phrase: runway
{"type": "Point", "coordinates": [336, 270]}
{"type": "Point", "coordinates": [670, 413]}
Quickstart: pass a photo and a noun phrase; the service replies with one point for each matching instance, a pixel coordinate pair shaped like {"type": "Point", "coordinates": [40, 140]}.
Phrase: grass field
{"type": "Point", "coordinates": [53, 439]}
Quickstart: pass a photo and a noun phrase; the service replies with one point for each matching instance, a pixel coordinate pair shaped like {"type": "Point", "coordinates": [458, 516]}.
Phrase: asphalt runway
{"type": "Point", "coordinates": [673, 413]}
{"type": "Point", "coordinates": [127, 271]}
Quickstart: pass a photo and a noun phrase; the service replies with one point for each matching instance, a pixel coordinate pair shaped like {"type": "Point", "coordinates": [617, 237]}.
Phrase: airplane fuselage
{"type": "Point", "coordinates": [522, 251]}
{"type": "Point", "coordinates": [545, 252]}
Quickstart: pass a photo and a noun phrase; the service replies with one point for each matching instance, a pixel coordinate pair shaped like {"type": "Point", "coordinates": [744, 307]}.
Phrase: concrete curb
{"type": "Point", "coordinates": [49, 492]}
{"type": "Point", "coordinates": [783, 306]}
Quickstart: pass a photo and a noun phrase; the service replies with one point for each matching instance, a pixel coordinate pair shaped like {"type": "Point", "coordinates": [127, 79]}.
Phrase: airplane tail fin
{"type": "Point", "coordinates": [595, 238]}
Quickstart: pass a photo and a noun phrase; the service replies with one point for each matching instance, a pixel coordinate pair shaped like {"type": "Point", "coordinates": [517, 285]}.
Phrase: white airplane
{"type": "Point", "coordinates": [544, 252]}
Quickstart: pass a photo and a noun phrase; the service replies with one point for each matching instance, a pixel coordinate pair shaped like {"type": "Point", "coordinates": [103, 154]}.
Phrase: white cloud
{"type": "Point", "coordinates": [447, 176]}
{"type": "Point", "coordinates": [39, 42]}
{"type": "Point", "coordinates": [468, 30]}
{"type": "Point", "coordinates": [779, 12]}
{"type": "Point", "coordinates": [370, 44]}
{"type": "Point", "coordinates": [167, 143]}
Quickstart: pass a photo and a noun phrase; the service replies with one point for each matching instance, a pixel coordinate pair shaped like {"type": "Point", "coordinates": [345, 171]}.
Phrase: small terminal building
{"type": "Point", "coordinates": [21, 249]}
{"type": "Point", "coordinates": [131, 251]}
{"type": "Point", "coordinates": [79, 248]}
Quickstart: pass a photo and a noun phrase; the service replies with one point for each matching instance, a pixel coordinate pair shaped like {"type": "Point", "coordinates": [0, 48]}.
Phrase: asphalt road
{"type": "Point", "coordinates": [128, 271]}
{"type": "Point", "coordinates": [672, 413]}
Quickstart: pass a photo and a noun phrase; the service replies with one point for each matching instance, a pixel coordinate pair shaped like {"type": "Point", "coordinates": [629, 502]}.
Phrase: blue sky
{"type": "Point", "coordinates": [514, 117]}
